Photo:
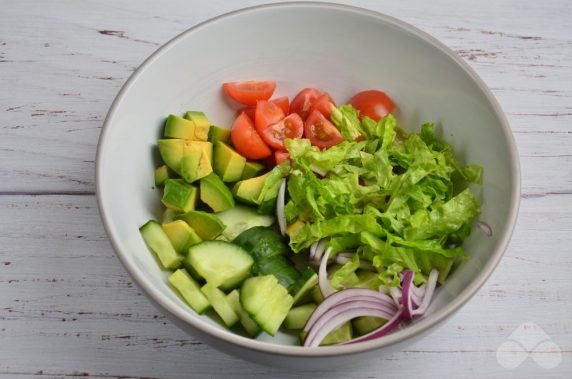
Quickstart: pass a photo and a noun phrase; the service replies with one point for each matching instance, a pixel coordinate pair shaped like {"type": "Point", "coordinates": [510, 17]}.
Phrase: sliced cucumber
{"type": "Point", "coordinates": [189, 290]}
{"type": "Point", "coordinates": [302, 288]}
{"type": "Point", "coordinates": [317, 295]}
{"type": "Point", "coordinates": [366, 324]}
{"type": "Point", "coordinates": [220, 303]}
{"type": "Point", "coordinates": [262, 242]}
{"type": "Point", "coordinates": [159, 243]}
{"type": "Point", "coordinates": [248, 323]}
{"type": "Point", "coordinates": [298, 316]}
{"type": "Point", "coordinates": [266, 301]}
{"type": "Point", "coordinates": [280, 267]}
{"type": "Point", "coordinates": [241, 218]}
{"type": "Point", "coordinates": [222, 264]}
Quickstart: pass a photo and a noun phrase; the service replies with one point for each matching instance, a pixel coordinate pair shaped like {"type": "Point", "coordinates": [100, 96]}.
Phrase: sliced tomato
{"type": "Point", "coordinates": [324, 105]}
{"type": "Point", "coordinates": [246, 140]}
{"type": "Point", "coordinates": [282, 102]}
{"type": "Point", "coordinates": [372, 103]}
{"type": "Point", "coordinates": [291, 126]}
{"type": "Point", "coordinates": [321, 132]}
{"type": "Point", "coordinates": [266, 114]}
{"type": "Point", "coordinates": [304, 100]}
{"type": "Point", "coordinates": [281, 156]}
{"type": "Point", "coordinates": [250, 91]}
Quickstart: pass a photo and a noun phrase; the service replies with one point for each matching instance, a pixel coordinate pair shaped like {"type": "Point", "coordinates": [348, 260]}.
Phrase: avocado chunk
{"type": "Point", "coordinates": [181, 235]}
{"type": "Point", "coordinates": [228, 164]}
{"type": "Point", "coordinates": [248, 190]}
{"type": "Point", "coordinates": [215, 193]}
{"type": "Point", "coordinates": [216, 133]}
{"type": "Point", "coordinates": [171, 151]}
{"type": "Point", "coordinates": [196, 162]}
{"type": "Point", "coordinates": [207, 225]}
{"type": "Point", "coordinates": [179, 196]}
{"type": "Point", "coordinates": [178, 127]}
{"type": "Point", "coordinates": [169, 215]}
{"type": "Point", "coordinates": [202, 125]}
{"type": "Point", "coordinates": [162, 173]}
{"type": "Point", "coordinates": [251, 169]}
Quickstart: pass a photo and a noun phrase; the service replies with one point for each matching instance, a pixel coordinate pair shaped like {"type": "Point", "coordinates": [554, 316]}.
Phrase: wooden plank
{"type": "Point", "coordinates": [68, 307]}
{"type": "Point", "coordinates": [63, 79]}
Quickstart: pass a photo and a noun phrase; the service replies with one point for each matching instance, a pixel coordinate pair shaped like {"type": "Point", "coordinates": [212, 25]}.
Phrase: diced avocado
{"type": "Point", "coordinates": [189, 290]}
{"type": "Point", "coordinates": [171, 151]}
{"type": "Point", "coordinates": [161, 174]}
{"type": "Point", "coordinates": [227, 163]}
{"type": "Point", "coordinates": [202, 125]}
{"type": "Point", "coordinates": [207, 225]}
{"type": "Point", "coordinates": [196, 162]}
{"type": "Point", "coordinates": [216, 133]}
{"type": "Point", "coordinates": [215, 193]}
{"type": "Point", "coordinates": [178, 127]}
{"type": "Point", "coordinates": [249, 190]}
{"type": "Point", "coordinates": [159, 243]}
{"type": "Point", "coordinates": [179, 196]}
{"type": "Point", "coordinates": [248, 323]}
{"type": "Point", "coordinates": [251, 169]}
{"type": "Point", "coordinates": [298, 317]}
{"type": "Point", "coordinates": [169, 215]}
{"type": "Point", "coordinates": [181, 235]}
{"type": "Point", "coordinates": [241, 218]}
{"type": "Point", "coordinates": [366, 324]}
{"type": "Point", "coordinates": [220, 303]}
{"type": "Point", "coordinates": [294, 228]}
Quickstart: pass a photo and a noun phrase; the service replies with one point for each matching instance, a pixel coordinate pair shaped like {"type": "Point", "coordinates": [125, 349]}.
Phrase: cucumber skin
{"type": "Point", "coordinates": [158, 242]}
{"type": "Point", "coordinates": [189, 290]}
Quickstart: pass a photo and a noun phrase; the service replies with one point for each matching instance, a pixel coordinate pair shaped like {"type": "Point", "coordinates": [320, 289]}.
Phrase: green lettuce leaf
{"type": "Point", "coordinates": [346, 270]}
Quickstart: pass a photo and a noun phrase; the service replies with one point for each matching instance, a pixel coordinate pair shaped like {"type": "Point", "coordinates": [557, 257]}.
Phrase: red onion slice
{"type": "Point", "coordinates": [485, 228]}
{"type": "Point", "coordinates": [430, 290]}
{"type": "Point", "coordinates": [343, 258]}
{"type": "Point", "coordinates": [381, 331]}
{"type": "Point", "coordinates": [280, 214]}
{"type": "Point", "coordinates": [322, 328]}
{"type": "Point", "coordinates": [323, 282]}
{"type": "Point", "coordinates": [348, 295]}
{"type": "Point", "coordinates": [406, 285]}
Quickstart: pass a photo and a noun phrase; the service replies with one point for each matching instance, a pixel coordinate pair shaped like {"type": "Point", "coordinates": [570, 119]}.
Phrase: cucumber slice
{"type": "Point", "coordinates": [317, 295]}
{"type": "Point", "coordinates": [189, 290]}
{"type": "Point", "coordinates": [266, 301]}
{"type": "Point", "coordinates": [222, 264]}
{"type": "Point", "coordinates": [248, 323]}
{"type": "Point", "coordinates": [241, 218]}
{"type": "Point", "coordinates": [280, 267]}
{"type": "Point", "coordinates": [298, 317]}
{"type": "Point", "coordinates": [301, 290]}
{"type": "Point", "coordinates": [159, 243]}
{"type": "Point", "coordinates": [221, 305]}
{"type": "Point", "coordinates": [366, 324]}
{"type": "Point", "coordinates": [261, 242]}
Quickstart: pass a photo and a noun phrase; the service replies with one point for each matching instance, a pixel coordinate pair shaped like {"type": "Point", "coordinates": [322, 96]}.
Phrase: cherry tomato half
{"type": "Point", "coordinates": [321, 132]}
{"type": "Point", "coordinates": [304, 100]}
{"type": "Point", "coordinates": [372, 103]}
{"type": "Point", "coordinates": [266, 114]}
{"type": "Point", "coordinates": [282, 102]}
{"type": "Point", "coordinates": [291, 126]}
{"type": "Point", "coordinates": [250, 91]}
{"type": "Point", "coordinates": [281, 156]}
{"type": "Point", "coordinates": [246, 140]}
{"type": "Point", "coordinates": [324, 105]}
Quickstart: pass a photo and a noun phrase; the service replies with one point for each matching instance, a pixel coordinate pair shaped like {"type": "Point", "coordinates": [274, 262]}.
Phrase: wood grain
{"type": "Point", "coordinates": [68, 308]}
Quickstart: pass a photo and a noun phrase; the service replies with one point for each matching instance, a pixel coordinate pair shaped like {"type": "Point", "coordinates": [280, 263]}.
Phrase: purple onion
{"type": "Point", "coordinates": [429, 291]}
{"type": "Point", "coordinates": [485, 228]}
{"type": "Point", "coordinates": [323, 282]}
{"type": "Point", "coordinates": [406, 285]}
{"type": "Point", "coordinates": [280, 213]}
{"type": "Point", "coordinates": [381, 331]}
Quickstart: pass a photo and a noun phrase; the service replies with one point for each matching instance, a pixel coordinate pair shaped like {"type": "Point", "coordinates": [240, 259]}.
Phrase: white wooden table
{"type": "Point", "coordinates": [68, 308]}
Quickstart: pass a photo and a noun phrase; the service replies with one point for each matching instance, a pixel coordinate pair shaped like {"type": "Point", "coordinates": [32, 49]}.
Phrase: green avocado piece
{"type": "Point", "coordinates": [169, 215]}
{"type": "Point", "coordinates": [178, 127]}
{"type": "Point", "coordinates": [207, 225]}
{"type": "Point", "coordinates": [217, 133]}
{"type": "Point", "coordinates": [215, 193]}
{"type": "Point", "coordinates": [181, 235]}
{"type": "Point", "coordinates": [248, 190]}
{"type": "Point", "coordinates": [196, 162]}
{"type": "Point", "coordinates": [227, 163]}
{"type": "Point", "coordinates": [171, 151]}
{"type": "Point", "coordinates": [251, 169]}
{"type": "Point", "coordinates": [179, 196]}
{"type": "Point", "coordinates": [202, 125]}
{"type": "Point", "coordinates": [162, 173]}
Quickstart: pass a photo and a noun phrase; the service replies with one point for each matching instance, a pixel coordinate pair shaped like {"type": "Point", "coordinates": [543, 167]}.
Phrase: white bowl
{"type": "Point", "coordinates": [342, 50]}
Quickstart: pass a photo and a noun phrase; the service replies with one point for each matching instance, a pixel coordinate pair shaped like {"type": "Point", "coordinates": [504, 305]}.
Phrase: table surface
{"type": "Point", "coordinates": [67, 306]}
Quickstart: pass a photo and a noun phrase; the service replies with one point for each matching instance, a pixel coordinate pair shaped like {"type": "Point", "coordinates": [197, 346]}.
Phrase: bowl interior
{"type": "Point", "coordinates": [336, 48]}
